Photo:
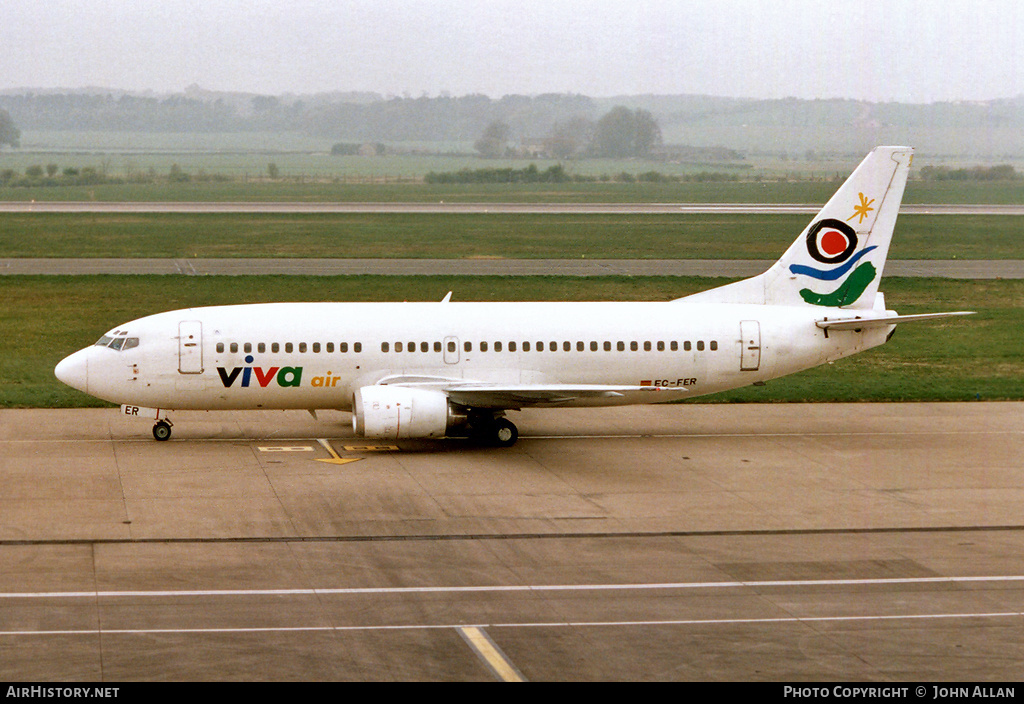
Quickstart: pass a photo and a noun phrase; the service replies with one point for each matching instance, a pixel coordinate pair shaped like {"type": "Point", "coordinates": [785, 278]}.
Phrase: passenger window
{"type": "Point", "coordinates": [579, 346]}
{"type": "Point", "coordinates": [483, 346]}
{"type": "Point", "coordinates": [343, 347]}
{"type": "Point", "coordinates": [526, 346]}
{"type": "Point", "coordinates": [302, 347]}
{"type": "Point", "coordinates": [384, 347]}
{"type": "Point", "coordinates": [633, 346]}
{"type": "Point", "coordinates": [411, 347]}
{"type": "Point", "coordinates": [593, 345]}
{"type": "Point", "coordinates": [497, 347]}
{"type": "Point", "coordinates": [220, 346]}
{"type": "Point", "coordinates": [686, 346]}
{"type": "Point", "coordinates": [468, 347]}
{"type": "Point", "coordinates": [566, 346]}
{"type": "Point", "coordinates": [451, 346]}
{"type": "Point", "coordinates": [700, 345]}
{"type": "Point", "coordinates": [437, 347]}
{"type": "Point", "coordinates": [316, 348]}
{"type": "Point", "coordinates": [661, 345]}
{"type": "Point", "coordinates": [234, 347]}
{"type": "Point", "coordinates": [357, 347]}
{"type": "Point", "coordinates": [424, 347]}
{"type": "Point", "coordinates": [275, 347]}
{"type": "Point", "coordinates": [607, 346]}
{"type": "Point", "coordinates": [553, 346]}
{"type": "Point", "coordinates": [647, 346]}
{"type": "Point", "coordinates": [714, 345]}
{"type": "Point", "coordinates": [288, 347]}
{"type": "Point", "coordinates": [399, 347]}
{"type": "Point", "coordinates": [675, 346]}
{"type": "Point", "coordinates": [621, 346]}
{"type": "Point", "coordinates": [512, 346]}
{"type": "Point", "coordinates": [261, 347]}
{"type": "Point", "coordinates": [330, 347]}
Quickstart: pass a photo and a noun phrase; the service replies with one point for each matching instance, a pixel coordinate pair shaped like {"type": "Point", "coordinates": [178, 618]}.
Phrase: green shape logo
{"type": "Point", "coordinates": [848, 292]}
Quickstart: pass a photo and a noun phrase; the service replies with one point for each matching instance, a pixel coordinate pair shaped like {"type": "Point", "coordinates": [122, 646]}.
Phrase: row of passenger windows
{"type": "Point", "coordinates": [289, 347]}
{"type": "Point", "coordinates": [484, 346]}
{"type": "Point", "coordinates": [565, 346]}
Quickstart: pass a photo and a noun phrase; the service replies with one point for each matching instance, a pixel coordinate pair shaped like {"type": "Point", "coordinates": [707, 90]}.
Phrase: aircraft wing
{"type": "Point", "coordinates": [526, 395]}
{"type": "Point", "coordinates": [858, 323]}
{"type": "Point", "coordinates": [515, 396]}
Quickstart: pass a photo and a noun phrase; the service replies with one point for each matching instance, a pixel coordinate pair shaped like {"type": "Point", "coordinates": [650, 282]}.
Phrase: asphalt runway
{"type": "Point", "coordinates": [785, 542]}
{"type": "Point", "coordinates": [952, 268]}
{"type": "Point", "coordinates": [497, 208]}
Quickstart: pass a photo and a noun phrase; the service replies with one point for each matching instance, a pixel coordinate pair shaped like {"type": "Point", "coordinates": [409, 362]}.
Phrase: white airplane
{"type": "Point", "coordinates": [432, 370]}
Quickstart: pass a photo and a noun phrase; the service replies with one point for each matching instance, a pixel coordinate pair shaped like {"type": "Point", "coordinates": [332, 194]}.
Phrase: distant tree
{"type": "Point", "coordinates": [9, 133]}
{"type": "Point", "coordinates": [175, 176]}
{"type": "Point", "coordinates": [622, 132]}
{"type": "Point", "coordinates": [51, 170]}
{"type": "Point", "coordinates": [272, 170]}
{"type": "Point", "coordinates": [615, 133]}
{"type": "Point", "coordinates": [34, 171]}
{"type": "Point", "coordinates": [648, 133]}
{"type": "Point", "coordinates": [569, 139]}
{"type": "Point", "coordinates": [494, 139]}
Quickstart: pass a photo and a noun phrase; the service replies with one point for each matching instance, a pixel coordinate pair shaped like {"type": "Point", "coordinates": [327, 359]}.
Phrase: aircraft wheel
{"type": "Point", "coordinates": [504, 433]}
{"type": "Point", "coordinates": [162, 430]}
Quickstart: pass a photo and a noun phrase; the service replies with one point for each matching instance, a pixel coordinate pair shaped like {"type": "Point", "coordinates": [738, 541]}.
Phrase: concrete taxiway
{"type": "Point", "coordinates": [690, 542]}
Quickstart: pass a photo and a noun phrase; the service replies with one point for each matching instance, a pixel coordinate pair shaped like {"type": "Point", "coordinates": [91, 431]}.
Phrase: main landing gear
{"type": "Point", "coordinates": [496, 431]}
{"type": "Point", "coordinates": [162, 430]}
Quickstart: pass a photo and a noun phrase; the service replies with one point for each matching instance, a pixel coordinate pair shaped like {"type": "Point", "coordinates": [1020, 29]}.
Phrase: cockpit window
{"type": "Point", "coordinates": [119, 343]}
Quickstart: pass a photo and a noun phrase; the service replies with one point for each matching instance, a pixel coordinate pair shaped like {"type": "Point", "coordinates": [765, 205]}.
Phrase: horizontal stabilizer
{"type": "Point", "coordinates": [858, 323]}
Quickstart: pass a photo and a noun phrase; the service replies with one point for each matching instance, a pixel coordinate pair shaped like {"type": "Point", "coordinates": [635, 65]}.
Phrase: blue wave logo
{"type": "Point", "coordinates": [830, 274]}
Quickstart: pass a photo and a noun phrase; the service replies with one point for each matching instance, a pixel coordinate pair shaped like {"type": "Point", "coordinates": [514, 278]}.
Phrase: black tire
{"type": "Point", "coordinates": [162, 431]}
{"type": "Point", "coordinates": [504, 433]}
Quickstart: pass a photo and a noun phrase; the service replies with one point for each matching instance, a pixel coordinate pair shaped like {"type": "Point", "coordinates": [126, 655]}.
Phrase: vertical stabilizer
{"type": "Point", "coordinates": [837, 260]}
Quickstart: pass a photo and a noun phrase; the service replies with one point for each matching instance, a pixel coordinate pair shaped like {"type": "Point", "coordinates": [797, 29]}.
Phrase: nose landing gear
{"type": "Point", "coordinates": [162, 430]}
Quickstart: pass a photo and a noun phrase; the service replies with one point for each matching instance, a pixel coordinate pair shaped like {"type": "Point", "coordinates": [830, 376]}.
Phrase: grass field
{"type": "Point", "coordinates": [45, 318]}
{"type": "Point", "coordinates": [397, 235]}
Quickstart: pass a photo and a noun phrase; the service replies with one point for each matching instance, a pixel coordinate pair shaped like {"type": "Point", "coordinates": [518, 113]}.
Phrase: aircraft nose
{"type": "Point", "coordinates": [73, 370]}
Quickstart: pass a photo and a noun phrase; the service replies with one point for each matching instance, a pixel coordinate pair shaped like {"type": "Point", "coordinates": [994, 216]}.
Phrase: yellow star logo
{"type": "Point", "coordinates": [861, 210]}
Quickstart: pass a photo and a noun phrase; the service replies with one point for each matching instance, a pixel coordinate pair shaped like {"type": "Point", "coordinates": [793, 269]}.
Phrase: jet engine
{"type": "Point", "coordinates": [394, 412]}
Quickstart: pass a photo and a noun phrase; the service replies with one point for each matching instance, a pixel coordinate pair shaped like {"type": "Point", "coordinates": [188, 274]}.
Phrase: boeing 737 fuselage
{"type": "Point", "coordinates": [431, 370]}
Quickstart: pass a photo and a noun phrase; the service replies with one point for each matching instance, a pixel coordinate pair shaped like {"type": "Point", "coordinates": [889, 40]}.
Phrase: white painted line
{"type": "Point", "coordinates": [285, 448]}
{"type": "Point", "coordinates": [514, 588]}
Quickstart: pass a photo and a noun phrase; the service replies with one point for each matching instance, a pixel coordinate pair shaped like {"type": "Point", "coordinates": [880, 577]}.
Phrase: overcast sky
{"type": "Point", "coordinates": [879, 50]}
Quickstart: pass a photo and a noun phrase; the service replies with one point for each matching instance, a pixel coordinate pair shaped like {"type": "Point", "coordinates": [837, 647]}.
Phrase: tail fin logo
{"type": "Point", "coordinates": [831, 241]}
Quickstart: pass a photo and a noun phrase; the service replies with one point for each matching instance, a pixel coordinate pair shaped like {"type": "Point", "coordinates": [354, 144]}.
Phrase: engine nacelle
{"type": "Point", "coordinates": [394, 412]}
